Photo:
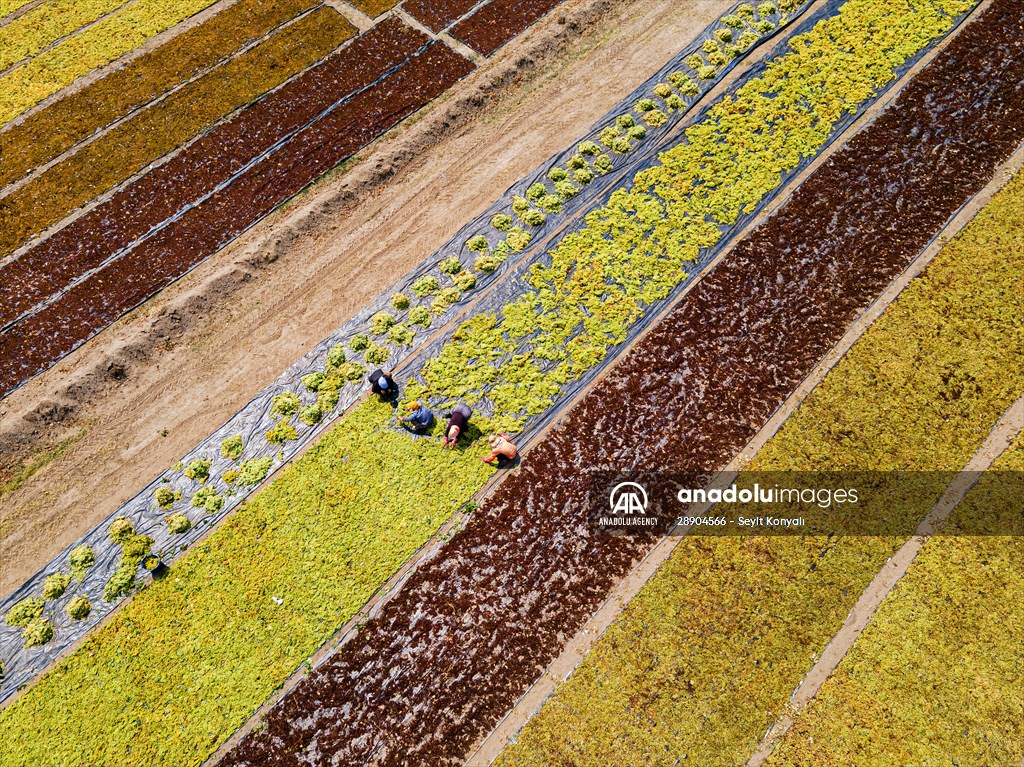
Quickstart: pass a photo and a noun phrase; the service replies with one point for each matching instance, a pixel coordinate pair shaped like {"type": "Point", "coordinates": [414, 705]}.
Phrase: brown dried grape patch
{"type": "Point", "coordinates": [56, 128]}
{"type": "Point", "coordinates": [89, 306]}
{"type": "Point", "coordinates": [437, 14]}
{"type": "Point", "coordinates": [474, 626]}
{"type": "Point", "coordinates": [139, 141]}
{"type": "Point", "coordinates": [499, 21]}
{"type": "Point", "coordinates": [199, 168]}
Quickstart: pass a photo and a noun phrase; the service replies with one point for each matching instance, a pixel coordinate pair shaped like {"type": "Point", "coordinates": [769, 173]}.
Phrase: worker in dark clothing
{"type": "Point", "coordinates": [458, 419]}
{"type": "Point", "coordinates": [383, 385]}
{"type": "Point", "coordinates": [417, 417]}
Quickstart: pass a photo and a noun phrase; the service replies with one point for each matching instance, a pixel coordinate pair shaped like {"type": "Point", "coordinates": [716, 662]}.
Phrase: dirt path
{"type": "Point", "coordinates": [122, 408]}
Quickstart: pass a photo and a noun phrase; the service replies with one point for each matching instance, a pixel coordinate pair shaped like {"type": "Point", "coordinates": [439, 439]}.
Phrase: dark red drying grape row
{"type": "Point", "coordinates": [200, 168]}
{"type": "Point", "coordinates": [44, 337]}
{"type": "Point", "coordinates": [437, 14]}
{"type": "Point", "coordinates": [499, 21]}
{"type": "Point", "coordinates": [475, 626]}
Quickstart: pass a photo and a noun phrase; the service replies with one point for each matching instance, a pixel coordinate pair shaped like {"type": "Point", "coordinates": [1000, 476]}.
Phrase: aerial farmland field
{"type": "Point", "coordinates": [528, 383]}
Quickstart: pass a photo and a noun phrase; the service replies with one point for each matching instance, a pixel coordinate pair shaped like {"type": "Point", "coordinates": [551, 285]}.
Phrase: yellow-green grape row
{"type": "Point", "coordinates": [635, 250]}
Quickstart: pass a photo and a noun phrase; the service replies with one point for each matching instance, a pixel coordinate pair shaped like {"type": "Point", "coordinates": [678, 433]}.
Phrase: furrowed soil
{"type": "Point", "coordinates": [451, 653]}
{"type": "Point", "coordinates": [83, 437]}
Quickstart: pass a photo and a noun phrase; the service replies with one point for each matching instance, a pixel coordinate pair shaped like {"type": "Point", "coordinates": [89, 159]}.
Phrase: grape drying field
{"type": "Point", "coordinates": [642, 305]}
{"type": "Point", "coordinates": [166, 152]}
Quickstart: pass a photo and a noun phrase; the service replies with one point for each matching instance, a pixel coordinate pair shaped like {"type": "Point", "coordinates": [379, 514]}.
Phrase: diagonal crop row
{"type": "Point", "coordinates": [704, 659]}
{"type": "Point", "coordinates": [200, 168]}
{"type": "Point", "coordinates": [43, 708]}
{"type": "Point", "coordinates": [936, 674]}
{"type": "Point", "coordinates": [103, 42]}
{"type": "Point", "coordinates": [475, 625]}
{"type": "Point", "coordinates": [60, 126]}
{"type": "Point", "coordinates": [93, 303]}
{"type": "Point", "coordinates": [585, 296]}
{"type": "Point", "coordinates": [328, 378]}
{"type": "Point", "coordinates": [139, 141]}
{"type": "Point", "coordinates": [47, 23]}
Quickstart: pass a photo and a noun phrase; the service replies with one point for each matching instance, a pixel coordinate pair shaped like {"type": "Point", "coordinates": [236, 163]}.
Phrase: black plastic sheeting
{"type": "Point", "coordinates": [515, 285]}
{"type": "Point", "coordinates": [491, 292]}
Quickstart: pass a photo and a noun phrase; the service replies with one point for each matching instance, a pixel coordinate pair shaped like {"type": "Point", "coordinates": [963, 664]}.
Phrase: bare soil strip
{"type": "Point", "coordinates": [474, 627]}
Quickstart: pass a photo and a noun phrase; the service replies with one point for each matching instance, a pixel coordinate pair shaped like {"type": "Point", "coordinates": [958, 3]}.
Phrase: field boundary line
{"type": "Point", "coordinates": [39, 170]}
{"type": "Point", "coordinates": [99, 72]}
{"type": "Point", "coordinates": [17, 13]}
{"type": "Point", "coordinates": [53, 44]}
{"type": "Point", "coordinates": [1009, 425]}
{"type": "Point", "coordinates": [578, 647]}
{"type": "Point", "coordinates": [359, 20]}
{"type": "Point", "coordinates": [456, 45]}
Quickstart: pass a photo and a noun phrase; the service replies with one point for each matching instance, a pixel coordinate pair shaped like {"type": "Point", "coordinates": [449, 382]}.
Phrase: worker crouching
{"type": "Point", "coordinates": [458, 419]}
{"type": "Point", "coordinates": [383, 385]}
{"type": "Point", "coordinates": [416, 418]}
{"type": "Point", "coordinates": [501, 447]}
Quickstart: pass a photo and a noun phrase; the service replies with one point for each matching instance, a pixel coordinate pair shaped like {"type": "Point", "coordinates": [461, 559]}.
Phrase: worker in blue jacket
{"type": "Point", "coordinates": [417, 418]}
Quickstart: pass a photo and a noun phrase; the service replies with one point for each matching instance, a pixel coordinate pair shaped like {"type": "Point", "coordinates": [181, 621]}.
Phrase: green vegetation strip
{"type": "Point", "coordinates": [936, 676]}
{"type": "Point", "coordinates": [190, 658]}
{"type": "Point", "coordinates": [46, 23]}
{"type": "Point", "coordinates": [59, 127]}
{"type": "Point", "coordinates": [103, 42]}
{"type": "Point", "coordinates": [634, 251]}
{"type": "Point", "coordinates": [703, 660]}
{"type": "Point", "coordinates": [137, 142]}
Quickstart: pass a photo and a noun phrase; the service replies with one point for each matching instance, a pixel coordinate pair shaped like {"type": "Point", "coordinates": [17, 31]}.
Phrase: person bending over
{"type": "Point", "coordinates": [383, 385]}
{"type": "Point", "coordinates": [458, 419]}
{"type": "Point", "coordinates": [417, 417]}
{"type": "Point", "coordinates": [501, 447]}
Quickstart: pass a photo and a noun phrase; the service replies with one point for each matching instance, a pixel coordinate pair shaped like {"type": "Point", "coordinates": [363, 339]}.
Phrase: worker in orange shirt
{"type": "Point", "coordinates": [501, 446]}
